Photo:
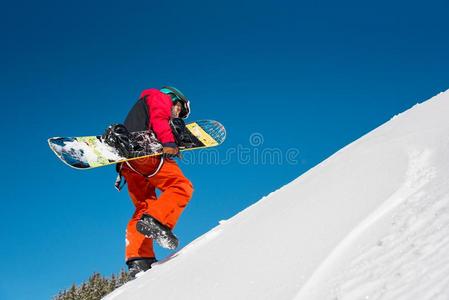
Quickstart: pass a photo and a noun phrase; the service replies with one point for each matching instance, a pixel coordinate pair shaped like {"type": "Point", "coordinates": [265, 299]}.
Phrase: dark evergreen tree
{"type": "Point", "coordinates": [95, 288]}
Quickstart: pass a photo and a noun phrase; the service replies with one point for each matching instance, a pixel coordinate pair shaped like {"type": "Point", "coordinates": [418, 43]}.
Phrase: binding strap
{"type": "Point", "coordinates": [118, 181]}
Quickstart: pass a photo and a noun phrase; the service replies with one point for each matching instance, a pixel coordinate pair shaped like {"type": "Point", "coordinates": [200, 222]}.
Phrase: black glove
{"type": "Point", "coordinates": [170, 152]}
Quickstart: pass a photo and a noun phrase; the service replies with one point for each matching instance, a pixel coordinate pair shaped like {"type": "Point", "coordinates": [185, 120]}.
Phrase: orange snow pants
{"type": "Point", "coordinates": [176, 191]}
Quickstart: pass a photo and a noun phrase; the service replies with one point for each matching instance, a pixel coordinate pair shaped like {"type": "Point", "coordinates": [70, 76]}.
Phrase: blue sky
{"type": "Point", "coordinates": [306, 75]}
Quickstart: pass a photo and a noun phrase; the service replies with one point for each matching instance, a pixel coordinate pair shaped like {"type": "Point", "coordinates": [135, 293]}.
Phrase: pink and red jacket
{"type": "Point", "coordinates": [152, 112]}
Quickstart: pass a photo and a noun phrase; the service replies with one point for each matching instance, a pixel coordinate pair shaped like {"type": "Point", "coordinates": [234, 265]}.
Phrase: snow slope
{"type": "Point", "coordinates": [370, 222]}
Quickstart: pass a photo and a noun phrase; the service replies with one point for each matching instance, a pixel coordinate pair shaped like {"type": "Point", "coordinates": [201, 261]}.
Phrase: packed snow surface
{"type": "Point", "coordinates": [370, 222]}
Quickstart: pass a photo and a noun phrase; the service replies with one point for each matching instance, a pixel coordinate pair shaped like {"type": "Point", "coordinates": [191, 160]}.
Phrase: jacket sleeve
{"type": "Point", "coordinates": [159, 107]}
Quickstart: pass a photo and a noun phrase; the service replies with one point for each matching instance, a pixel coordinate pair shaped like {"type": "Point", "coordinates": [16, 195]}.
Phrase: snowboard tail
{"type": "Point", "coordinates": [91, 152]}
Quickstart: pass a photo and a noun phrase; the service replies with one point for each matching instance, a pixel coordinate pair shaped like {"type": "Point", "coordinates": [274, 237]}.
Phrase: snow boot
{"type": "Point", "coordinates": [138, 265]}
{"type": "Point", "coordinates": [153, 229]}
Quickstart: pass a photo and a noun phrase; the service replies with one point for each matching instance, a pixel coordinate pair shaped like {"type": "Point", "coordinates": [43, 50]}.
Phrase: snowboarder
{"type": "Point", "coordinates": [155, 217]}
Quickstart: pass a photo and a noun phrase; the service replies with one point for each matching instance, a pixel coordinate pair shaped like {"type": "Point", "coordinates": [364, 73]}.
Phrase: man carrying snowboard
{"type": "Point", "coordinates": [155, 217]}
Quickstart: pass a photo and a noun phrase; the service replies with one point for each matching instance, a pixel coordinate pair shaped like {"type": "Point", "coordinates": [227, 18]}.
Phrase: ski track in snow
{"type": "Point", "coordinates": [407, 262]}
{"type": "Point", "coordinates": [400, 250]}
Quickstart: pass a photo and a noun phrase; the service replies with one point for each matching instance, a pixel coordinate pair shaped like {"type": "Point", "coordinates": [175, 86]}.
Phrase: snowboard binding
{"type": "Point", "coordinates": [118, 137]}
{"type": "Point", "coordinates": [182, 136]}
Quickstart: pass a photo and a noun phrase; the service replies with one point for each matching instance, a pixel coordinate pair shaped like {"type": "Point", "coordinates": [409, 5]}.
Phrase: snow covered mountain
{"type": "Point", "coordinates": [370, 222]}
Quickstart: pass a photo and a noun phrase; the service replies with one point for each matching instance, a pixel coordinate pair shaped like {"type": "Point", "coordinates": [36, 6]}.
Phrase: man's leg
{"type": "Point", "coordinates": [176, 192]}
{"type": "Point", "coordinates": [141, 193]}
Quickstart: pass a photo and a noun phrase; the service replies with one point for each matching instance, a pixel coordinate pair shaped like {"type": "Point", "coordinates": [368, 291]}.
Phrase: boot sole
{"type": "Point", "coordinates": [164, 239]}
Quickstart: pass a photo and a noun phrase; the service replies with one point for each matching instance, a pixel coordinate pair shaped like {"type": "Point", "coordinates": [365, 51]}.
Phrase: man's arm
{"type": "Point", "coordinates": [159, 105]}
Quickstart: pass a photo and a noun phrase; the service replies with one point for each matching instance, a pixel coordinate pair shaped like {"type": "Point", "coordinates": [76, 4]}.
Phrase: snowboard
{"type": "Point", "coordinates": [89, 152]}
